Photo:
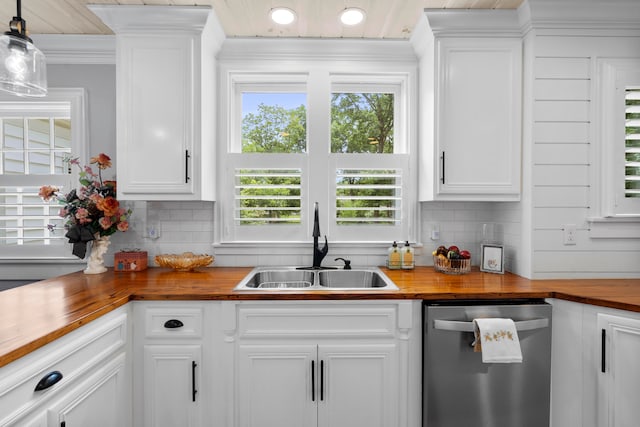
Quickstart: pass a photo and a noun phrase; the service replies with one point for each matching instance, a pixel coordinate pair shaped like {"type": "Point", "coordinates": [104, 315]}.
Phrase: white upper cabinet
{"type": "Point", "coordinates": [470, 105]}
{"type": "Point", "coordinates": [165, 68]}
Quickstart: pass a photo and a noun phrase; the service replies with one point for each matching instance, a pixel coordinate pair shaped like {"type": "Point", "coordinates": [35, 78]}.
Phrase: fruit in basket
{"type": "Point", "coordinates": [451, 260]}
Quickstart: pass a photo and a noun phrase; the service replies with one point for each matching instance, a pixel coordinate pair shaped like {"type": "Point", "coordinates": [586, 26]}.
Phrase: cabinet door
{"type": "Point", "coordinates": [277, 386]}
{"type": "Point", "coordinates": [619, 378]}
{"type": "Point", "coordinates": [155, 115]}
{"type": "Point", "coordinates": [358, 385]}
{"type": "Point", "coordinates": [479, 117]}
{"type": "Point", "coordinates": [99, 401]}
{"type": "Point", "coordinates": [170, 385]}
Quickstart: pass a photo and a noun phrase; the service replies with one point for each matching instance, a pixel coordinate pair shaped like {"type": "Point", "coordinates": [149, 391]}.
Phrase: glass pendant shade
{"type": "Point", "coordinates": [23, 67]}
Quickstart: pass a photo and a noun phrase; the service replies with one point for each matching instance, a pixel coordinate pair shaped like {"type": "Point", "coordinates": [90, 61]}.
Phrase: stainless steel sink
{"type": "Point", "coordinates": [278, 279]}
{"type": "Point", "coordinates": [354, 279]}
{"type": "Point", "coordinates": [290, 278]}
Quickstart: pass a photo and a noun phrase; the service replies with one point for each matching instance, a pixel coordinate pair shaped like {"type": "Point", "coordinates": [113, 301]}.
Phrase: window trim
{"type": "Point", "coordinates": [338, 67]}
{"type": "Point", "coordinates": [607, 222]}
{"type": "Point", "coordinates": [57, 98]}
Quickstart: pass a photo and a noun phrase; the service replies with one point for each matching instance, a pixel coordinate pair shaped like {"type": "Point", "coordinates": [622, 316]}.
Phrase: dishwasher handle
{"type": "Point", "coordinates": [459, 326]}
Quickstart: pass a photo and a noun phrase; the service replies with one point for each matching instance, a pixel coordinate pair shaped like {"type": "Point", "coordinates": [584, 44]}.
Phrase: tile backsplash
{"type": "Point", "coordinates": [189, 226]}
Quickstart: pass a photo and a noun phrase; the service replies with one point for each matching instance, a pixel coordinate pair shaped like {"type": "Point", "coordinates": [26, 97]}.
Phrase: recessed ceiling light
{"type": "Point", "coordinates": [352, 16]}
{"type": "Point", "coordinates": [282, 15]}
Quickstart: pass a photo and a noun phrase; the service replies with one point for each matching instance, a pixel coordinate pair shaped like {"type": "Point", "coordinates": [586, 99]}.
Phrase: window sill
{"type": "Point", "coordinates": [300, 253]}
{"type": "Point", "coordinates": [614, 227]}
{"type": "Point", "coordinates": [296, 248]}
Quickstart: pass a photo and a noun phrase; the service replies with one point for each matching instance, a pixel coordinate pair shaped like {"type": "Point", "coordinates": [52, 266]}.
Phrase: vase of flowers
{"type": "Point", "coordinates": [92, 212]}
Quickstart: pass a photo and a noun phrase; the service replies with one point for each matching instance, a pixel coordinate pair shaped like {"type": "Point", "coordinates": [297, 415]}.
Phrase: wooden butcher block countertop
{"type": "Point", "coordinates": [36, 314]}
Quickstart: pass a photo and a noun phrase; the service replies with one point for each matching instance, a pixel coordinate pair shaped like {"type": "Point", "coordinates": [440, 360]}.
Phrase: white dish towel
{"type": "Point", "coordinates": [498, 341]}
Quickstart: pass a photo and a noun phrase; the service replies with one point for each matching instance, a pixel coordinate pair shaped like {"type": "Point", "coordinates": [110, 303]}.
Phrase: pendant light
{"type": "Point", "coordinates": [23, 69]}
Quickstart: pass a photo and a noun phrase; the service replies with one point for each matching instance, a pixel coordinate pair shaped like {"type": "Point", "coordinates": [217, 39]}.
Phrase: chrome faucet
{"type": "Point", "coordinates": [318, 254]}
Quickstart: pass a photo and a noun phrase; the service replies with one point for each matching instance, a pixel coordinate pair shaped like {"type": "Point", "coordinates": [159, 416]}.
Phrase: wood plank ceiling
{"type": "Point", "coordinates": [392, 19]}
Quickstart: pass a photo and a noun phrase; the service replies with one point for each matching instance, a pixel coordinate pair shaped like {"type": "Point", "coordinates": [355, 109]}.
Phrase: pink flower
{"type": "Point", "coordinates": [123, 226]}
{"type": "Point", "coordinates": [105, 222]}
{"type": "Point", "coordinates": [82, 213]}
{"type": "Point", "coordinates": [63, 212]}
{"type": "Point", "coordinates": [89, 171]}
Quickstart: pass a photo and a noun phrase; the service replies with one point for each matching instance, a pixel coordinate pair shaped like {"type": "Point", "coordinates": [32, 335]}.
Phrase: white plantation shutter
{"type": "Point", "coordinates": [379, 184]}
{"type": "Point", "coordinates": [31, 155]}
{"type": "Point", "coordinates": [632, 143]}
{"type": "Point", "coordinates": [379, 190]}
{"type": "Point", "coordinates": [268, 196]}
{"type": "Point", "coordinates": [26, 220]}
{"type": "Point", "coordinates": [35, 138]}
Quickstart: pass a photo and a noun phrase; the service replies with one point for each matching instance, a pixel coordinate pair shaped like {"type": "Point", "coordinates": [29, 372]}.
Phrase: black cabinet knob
{"type": "Point", "coordinates": [173, 324]}
{"type": "Point", "coordinates": [48, 380]}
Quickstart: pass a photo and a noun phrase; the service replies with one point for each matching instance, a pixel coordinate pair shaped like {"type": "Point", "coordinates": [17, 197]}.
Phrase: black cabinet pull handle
{"type": "Point", "coordinates": [313, 381]}
{"type": "Point", "coordinates": [186, 166]}
{"type": "Point", "coordinates": [442, 179]}
{"type": "Point", "coordinates": [322, 380]}
{"type": "Point", "coordinates": [603, 357]}
{"type": "Point", "coordinates": [173, 324]}
{"type": "Point", "coordinates": [193, 381]}
{"type": "Point", "coordinates": [48, 380]}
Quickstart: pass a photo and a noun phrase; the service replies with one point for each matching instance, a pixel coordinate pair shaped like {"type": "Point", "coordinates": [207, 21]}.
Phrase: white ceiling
{"type": "Point", "coordinates": [392, 19]}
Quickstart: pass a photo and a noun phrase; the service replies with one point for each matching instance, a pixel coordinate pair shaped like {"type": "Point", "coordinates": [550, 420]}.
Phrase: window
{"type": "Point", "coordinates": [35, 137]}
{"type": "Point", "coordinates": [316, 136]}
{"type": "Point", "coordinates": [632, 143]}
{"type": "Point", "coordinates": [618, 113]}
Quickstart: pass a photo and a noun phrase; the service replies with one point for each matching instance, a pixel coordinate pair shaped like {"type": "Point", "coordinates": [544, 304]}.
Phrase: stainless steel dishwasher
{"type": "Point", "coordinates": [461, 391]}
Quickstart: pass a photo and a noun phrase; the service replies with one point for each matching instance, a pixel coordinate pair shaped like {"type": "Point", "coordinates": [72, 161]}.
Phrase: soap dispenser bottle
{"type": "Point", "coordinates": [395, 258]}
{"type": "Point", "coordinates": [407, 256]}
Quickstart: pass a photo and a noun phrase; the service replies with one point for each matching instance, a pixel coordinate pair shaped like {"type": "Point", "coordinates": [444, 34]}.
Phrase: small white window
{"type": "Point", "coordinates": [35, 138]}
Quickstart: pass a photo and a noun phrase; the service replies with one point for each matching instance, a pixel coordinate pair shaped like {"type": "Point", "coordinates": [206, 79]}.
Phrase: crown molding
{"type": "Point", "coordinates": [76, 49]}
{"type": "Point", "coordinates": [473, 22]}
{"type": "Point", "coordinates": [300, 49]}
{"type": "Point", "coordinates": [137, 18]}
{"type": "Point", "coordinates": [616, 15]}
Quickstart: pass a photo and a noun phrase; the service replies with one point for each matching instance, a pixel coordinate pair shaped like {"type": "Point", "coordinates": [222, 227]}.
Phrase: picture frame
{"type": "Point", "coordinates": [492, 258]}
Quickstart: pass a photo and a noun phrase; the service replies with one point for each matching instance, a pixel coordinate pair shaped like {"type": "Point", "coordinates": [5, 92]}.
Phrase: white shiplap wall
{"type": "Point", "coordinates": [564, 149]}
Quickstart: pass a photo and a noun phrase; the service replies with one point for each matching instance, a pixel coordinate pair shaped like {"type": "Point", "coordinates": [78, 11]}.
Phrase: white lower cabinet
{"type": "Point", "coordinates": [308, 364]}
{"type": "Point", "coordinates": [358, 385]}
{"type": "Point", "coordinates": [301, 385]}
{"type": "Point", "coordinates": [595, 375]}
{"type": "Point", "coordinates": [171, 381]}
{"type": "Point", "coordinates": [173, 364]}
{"type": "Point", "coordinates": [91, 386]}
{"type": "Point", "coordinates": [619, 377]}
{"type": "Point", "coordinates": [95, 402]}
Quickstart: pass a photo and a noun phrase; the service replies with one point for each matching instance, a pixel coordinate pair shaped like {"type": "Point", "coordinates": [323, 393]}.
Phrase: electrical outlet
{"type": "Point", "coordinates": [153, 230]}
{"type": "Point", "coordinates": [569, 234]}
{"type": "Point", "coordinates": [435, 232]}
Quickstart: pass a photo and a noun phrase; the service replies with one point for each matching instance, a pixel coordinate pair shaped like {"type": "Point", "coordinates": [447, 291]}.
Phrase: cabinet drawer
{"type": "Point", "coordinates": [335, 320]}
{"type": "Point", "coordinates": [178, 321]}
{"type": "Point", "coordinates": [72, 355]}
